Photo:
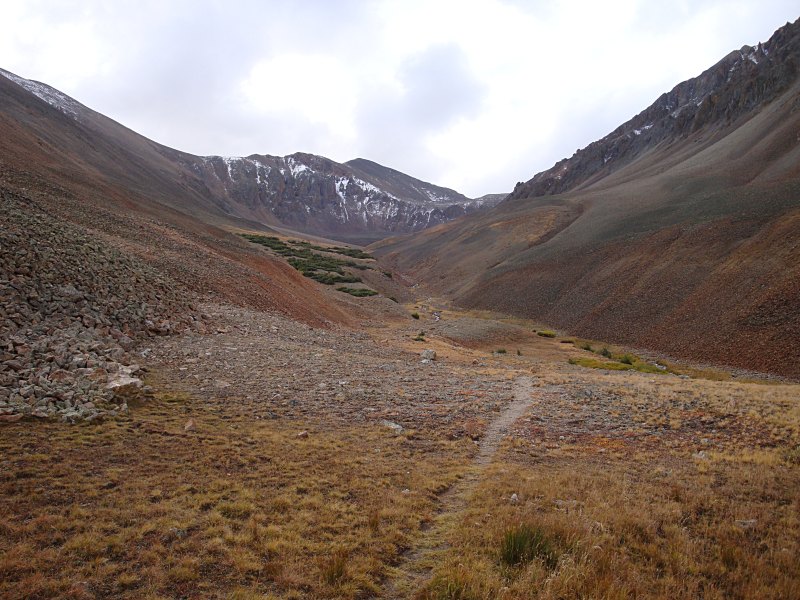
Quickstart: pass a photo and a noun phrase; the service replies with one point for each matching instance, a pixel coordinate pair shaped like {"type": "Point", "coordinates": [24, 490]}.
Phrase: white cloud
{"type": "Point", "coordinates": [473, 95]}
{"type": "Point", "coordinates": [315, 88]}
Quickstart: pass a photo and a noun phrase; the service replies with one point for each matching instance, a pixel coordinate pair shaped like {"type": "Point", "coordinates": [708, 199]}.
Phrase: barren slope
{"type": "Point", "coordinates": [690, 246]}
{"type": "Point", "coordinates": [120, 193]}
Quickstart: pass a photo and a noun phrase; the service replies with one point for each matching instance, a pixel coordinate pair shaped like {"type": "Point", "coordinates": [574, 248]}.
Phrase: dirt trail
{"type": "Point", "coordinates": [417, 563]}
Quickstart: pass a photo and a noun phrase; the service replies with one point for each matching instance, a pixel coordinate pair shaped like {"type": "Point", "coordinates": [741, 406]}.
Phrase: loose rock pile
{"type": "Point", "coordinates": [71, 307]}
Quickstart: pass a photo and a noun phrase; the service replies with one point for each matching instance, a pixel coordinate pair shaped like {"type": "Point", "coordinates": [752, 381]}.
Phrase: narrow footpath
{"type": "Point", "coordinates": [418, 562]}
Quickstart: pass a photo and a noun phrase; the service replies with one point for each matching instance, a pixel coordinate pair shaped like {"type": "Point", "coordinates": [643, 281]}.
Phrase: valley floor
{"type": "Point", "coordinates": [280, 461]}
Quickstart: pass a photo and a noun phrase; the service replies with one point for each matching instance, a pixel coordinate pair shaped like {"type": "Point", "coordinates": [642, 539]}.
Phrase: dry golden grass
{"type": "Point", "coordinates": [629, 485]}
{"type": "Point", "coordinates": [630, 529]}
{"type": "Point", "coordinates": [679, 489]}
{"type": "Point", "coordinates": [237, 508]}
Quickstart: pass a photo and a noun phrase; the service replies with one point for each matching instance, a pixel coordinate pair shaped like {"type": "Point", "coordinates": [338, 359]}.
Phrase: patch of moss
{"type": "Point", "coordinates": [636, 365]}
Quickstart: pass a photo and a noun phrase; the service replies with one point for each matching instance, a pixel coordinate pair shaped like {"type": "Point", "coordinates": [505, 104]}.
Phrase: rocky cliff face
{"type": "Point", "coordinates": [315, 194]}
{"type": "Point", "coordinates": [733, 87]}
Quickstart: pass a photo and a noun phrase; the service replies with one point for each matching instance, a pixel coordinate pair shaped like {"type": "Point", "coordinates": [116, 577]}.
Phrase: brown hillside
{"type": "Point", "coordinates": [691, 247]}
{"type": "Point", "coordinates": [117, 186]}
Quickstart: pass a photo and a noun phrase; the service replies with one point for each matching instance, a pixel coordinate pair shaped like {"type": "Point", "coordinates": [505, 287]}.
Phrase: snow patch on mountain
{"type": "Point", "coordinates": [52, 96]}
{"type": "Point", "coordinates": [295, 167]}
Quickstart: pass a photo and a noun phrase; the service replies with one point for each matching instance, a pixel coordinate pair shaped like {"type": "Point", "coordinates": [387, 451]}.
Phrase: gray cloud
{"type": "Point", "coordinates": [437, 88]}
{"type": "Point", "coordinates": [475, 96]}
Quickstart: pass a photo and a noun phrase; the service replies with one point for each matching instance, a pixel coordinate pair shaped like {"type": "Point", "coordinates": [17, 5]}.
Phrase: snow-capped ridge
{"type": "Point", "coordinates": [311, 192]}
{"type": "Point", "coordinates": [52, 96]}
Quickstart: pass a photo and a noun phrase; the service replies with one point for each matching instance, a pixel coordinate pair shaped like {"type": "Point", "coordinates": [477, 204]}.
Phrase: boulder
{"type": "Point", "coordinates": [428, 354]}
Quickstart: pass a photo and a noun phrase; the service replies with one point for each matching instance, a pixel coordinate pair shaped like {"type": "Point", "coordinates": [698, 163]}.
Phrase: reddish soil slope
{"type": "Point", "coordinates": [690, 245]}
{"type": "Point", "coordinates": [121, 190]}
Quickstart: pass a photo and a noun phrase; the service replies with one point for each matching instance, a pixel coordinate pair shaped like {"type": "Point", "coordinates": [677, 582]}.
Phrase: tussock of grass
{"type": "Point", "coordinates": [333, 568]}
{"type": "Point", "coordinates": [546, 333]}
{"type": "Point", "coordinates": [524, 543]}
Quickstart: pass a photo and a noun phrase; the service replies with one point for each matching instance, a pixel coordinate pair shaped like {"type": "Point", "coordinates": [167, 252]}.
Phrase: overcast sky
{"type": "Point", "coordinates": [474, 95]}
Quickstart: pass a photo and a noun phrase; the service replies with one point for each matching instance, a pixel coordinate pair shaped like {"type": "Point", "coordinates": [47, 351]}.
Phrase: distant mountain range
{"type": "Point", "coordinates": [359, 200]}
{"type": "Point", "coordinates": [679, 231]}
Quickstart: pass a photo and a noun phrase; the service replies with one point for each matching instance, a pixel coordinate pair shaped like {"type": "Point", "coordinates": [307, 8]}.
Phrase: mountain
{"type": "Point", "coordinates": [105, 190]}
{"type": "Point", "coordinates": [678, 232]}
{"type": "Point", "coordinates": [359, 200]}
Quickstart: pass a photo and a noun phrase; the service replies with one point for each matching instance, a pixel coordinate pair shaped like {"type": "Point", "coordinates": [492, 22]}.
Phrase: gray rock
{"type": "Point", "coordinates": [396, 427]}
{"type": "Point", "coordinates": [428, 354]}
{"type": "Point", "coordinates": [124, 387]}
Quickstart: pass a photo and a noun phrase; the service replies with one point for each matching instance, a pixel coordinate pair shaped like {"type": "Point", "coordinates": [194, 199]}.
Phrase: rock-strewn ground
{"type": "Point", "coordinates": [267, 366]}
{"type": "Point", "coordinates": [71, 309]}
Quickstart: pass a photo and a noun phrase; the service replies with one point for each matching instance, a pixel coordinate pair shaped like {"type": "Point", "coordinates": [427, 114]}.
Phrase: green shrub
{"type": "Point", "coordinates": [594, 363]}
{"type": "Point", "coordinates": [358, 292]}
{"type": "Point", "coordinates": [525, 543]}
{"type": "Point", "coordinates": [327, 278]}
{"type": "Point", "coordinates": [351, 252]}
{"type": "Point", "coordinates": [415, 315]}
{"type": "Point", "coordinates": [319, 263]}
{"type": "Point", "coordinates": [270, 242]}
{"type": "Point", "coordinates": [546, 333]}
{"type": "Point", "coordinates": [626, 359]}
{"type": "Point", "coordinates": [500, 351]}
{"type": "Point", "coordinates": [606, 352]}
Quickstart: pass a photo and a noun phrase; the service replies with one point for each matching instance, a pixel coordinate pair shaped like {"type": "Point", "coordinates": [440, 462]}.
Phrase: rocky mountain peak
{"type": "Point", "coordinates": [315, 194]}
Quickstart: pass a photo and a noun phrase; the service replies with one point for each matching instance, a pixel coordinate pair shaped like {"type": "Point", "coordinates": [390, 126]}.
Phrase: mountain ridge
{"type": "Point", "coordinates": [359, 200]}
{"type": "Point", "coordinates": [736, 84]}
{"type": "Point", "coordinates": [687, 244]}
